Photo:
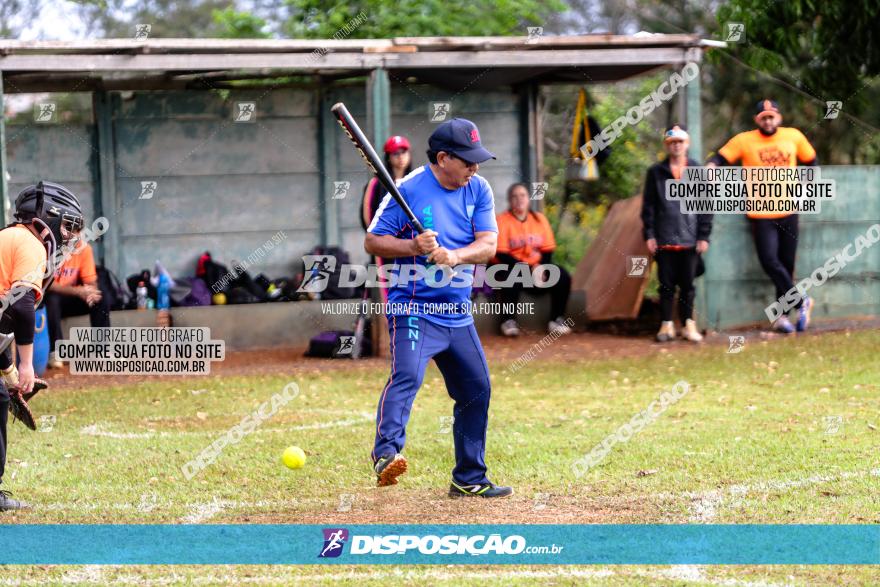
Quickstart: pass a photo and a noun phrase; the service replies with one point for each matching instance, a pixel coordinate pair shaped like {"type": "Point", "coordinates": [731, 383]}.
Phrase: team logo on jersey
{"type": "Point", "coordinates": [334, 541]}
{"type": "Point", "coordinates": [773, 156]}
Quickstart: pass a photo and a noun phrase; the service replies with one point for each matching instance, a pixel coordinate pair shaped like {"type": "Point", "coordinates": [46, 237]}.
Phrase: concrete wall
{"type": "Point", "coordinates": [63, 154]}
{"type": "Point", "coordinates": [222, 185]}
{"type": "Point", "coordinates": [228, 186]}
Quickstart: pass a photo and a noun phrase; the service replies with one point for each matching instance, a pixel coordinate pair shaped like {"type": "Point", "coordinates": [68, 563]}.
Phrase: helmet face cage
{"type": "Point", "coordinates": [54, 210]}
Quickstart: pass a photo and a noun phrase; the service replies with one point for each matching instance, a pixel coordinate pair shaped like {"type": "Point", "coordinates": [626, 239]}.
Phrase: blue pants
{"type": "Point", "coordinates": [459, 355]}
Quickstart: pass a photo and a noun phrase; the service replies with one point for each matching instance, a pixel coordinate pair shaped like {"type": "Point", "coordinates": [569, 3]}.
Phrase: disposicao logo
{"type": "Point", "coordinates": [334, 540]}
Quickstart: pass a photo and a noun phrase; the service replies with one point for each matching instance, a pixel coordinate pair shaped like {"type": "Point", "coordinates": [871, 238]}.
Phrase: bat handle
{"type": "Point", "coordinates": [417, 225]}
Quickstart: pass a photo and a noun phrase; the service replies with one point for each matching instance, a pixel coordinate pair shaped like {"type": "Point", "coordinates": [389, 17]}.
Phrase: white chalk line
{"type": "Point", "coordinates": [705, 504]}
{"type": "Point", "coordinates": [99, 430]}
{"type": "Point", "coordinates": [159, 507]}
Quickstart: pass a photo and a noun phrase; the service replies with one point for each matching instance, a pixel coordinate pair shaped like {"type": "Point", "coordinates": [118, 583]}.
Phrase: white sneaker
{"type": "Point", "coordinates": [559, 326]}
{"type": "Point", "coordinates": [510, 328]}
{"type": "Point", "coordinates": [690, 332]}
{"type": "Point", "coordinates": [666, 332]}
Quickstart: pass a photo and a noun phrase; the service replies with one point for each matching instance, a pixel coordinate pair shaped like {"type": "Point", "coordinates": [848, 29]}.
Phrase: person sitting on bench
{"type": "Point", "coordinates": [525, 237]}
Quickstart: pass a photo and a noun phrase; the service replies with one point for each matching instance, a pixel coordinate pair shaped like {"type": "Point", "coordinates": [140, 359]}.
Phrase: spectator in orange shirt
{"type": "Point", "coordinates": [775, 234]}
{"type": "Point", "coordinates": [74, 293]}
{"type": "Point", "coordinates": [525, 236]}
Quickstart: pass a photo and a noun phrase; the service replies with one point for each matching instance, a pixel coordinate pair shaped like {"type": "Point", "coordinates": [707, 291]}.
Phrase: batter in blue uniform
{"type": "Point", "coordinates": [428, 314]}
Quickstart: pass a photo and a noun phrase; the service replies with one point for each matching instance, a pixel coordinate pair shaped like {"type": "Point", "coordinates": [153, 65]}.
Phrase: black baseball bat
{"type": "Point", "coordinates": [368, 154]}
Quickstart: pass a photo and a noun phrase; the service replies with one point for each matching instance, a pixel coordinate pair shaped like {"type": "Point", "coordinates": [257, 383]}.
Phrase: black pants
{"type": "Point", "coordinates": [677, 269]}
{"type": "Point", "coordinates": [4, 415]}
{"type": "Point", "coordinates": [558, 294]}
{"type": "Point", "coordinates": [776, 243]}
{"type": "Point", "coordinates": [59, 306]}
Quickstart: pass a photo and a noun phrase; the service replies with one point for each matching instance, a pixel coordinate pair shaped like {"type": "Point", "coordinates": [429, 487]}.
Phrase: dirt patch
{"type": "Point", "coordinates": [396, 506]}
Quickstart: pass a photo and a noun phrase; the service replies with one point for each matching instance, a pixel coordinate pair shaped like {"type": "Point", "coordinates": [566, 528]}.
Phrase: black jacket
{"type": "Point", "coordinates": [662, 219]}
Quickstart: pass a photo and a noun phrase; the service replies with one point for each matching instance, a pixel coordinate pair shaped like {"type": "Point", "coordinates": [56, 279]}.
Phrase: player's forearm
{"type": "Point", "coordinates": [25, 353]}
{"type": "Point", "coordinates": [64, 290]}
{"type": "Point", "coordinates": [479, 251]}
{"type": "Point", "coordinates": [389, 247]}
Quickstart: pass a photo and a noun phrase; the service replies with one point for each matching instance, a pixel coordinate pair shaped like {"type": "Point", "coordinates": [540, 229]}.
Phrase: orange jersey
{"type": "Point", "coordinates": [525, 240]}
{"type": "Point", "coordinates": [22, 260]}
{"type": "Point", "coordinates": [784, 148]}
{"type": "Point", "coordinates": [78, 268]}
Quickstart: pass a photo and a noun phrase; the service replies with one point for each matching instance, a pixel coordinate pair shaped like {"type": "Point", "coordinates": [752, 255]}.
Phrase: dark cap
{"type": "Point", "coordinates": [766, 106]}
{"type": "Point", "coordinates": [461, 138]}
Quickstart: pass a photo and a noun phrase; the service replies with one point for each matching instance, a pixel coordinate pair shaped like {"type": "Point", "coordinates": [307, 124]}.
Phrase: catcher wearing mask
{"type": "Point", "coordinates": [46, 217]}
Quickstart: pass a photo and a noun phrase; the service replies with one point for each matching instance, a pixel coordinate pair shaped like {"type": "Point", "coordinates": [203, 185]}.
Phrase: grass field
{"type": "Point", "coordinates": [784, 432]}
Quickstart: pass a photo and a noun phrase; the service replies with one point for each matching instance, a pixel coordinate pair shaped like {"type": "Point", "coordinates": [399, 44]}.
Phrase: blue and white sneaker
{"type": "Point", "coordinates": [481, 490]}
{"type": "Point", "coordinates": [804, 314]}
{"type": "Point", "coordinates": [783, 325]}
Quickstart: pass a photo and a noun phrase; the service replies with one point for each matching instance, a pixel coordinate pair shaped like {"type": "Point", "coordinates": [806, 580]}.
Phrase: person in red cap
{"type": "Point", "coordinates": [398, 162]}
{"type": "Point", "coordinates": [775, 234]}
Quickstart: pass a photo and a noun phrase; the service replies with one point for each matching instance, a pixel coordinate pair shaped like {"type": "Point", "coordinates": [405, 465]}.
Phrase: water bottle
{"type": "Point", "coordinates": [141, 296]}
{"type": "Point", "coordinates": [163, 297]}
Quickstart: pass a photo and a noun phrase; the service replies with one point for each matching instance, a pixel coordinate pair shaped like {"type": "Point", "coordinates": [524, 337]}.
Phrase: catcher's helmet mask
{"type": "Point", "coordinates": [55, 213]}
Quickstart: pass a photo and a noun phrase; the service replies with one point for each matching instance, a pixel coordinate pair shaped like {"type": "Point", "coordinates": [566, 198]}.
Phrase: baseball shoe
{"type": "Point", "coordinates": [510, 328]}
{"type": "Point", "coordinates": [666, 332]}
{"type": "Point", "coordinates": [480, 490]}
{"type": "Point", "coordinates": [804, 312]}
{"type": "Point", "coordinates": [559, 326]}
{"type": "Point", "coordinates": [690, 332]}
{"type": "Point", "coordinates": [783, 325]}
{"type": "Point", "coordinates": [389, 468]}
{"type": "Point", "coordinates": [9, 504]}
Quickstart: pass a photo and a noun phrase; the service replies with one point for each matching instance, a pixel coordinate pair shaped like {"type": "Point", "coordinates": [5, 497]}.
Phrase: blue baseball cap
{"type": "Point", "coordinates": [461, 138]}
{"type": "Point", "coordinates": [766, 106]}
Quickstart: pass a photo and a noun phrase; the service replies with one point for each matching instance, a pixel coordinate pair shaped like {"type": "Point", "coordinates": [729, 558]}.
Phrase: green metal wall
{"type": "Point", "coordinates": [228, 186]}
{"type": "Point", "coordinates": [734, 291]}
{"type": "Point", "coordinates": [222, 185]}
{"type": "Point", "coordinates": [65, 154]}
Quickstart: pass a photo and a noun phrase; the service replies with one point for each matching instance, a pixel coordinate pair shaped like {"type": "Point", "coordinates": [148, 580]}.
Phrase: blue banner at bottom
{"type": "Point", "coordinates": [440, 544]}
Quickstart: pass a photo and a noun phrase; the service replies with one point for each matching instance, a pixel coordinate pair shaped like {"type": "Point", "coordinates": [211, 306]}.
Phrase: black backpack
{"type": "Point", "coordinates": [117, 296]}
